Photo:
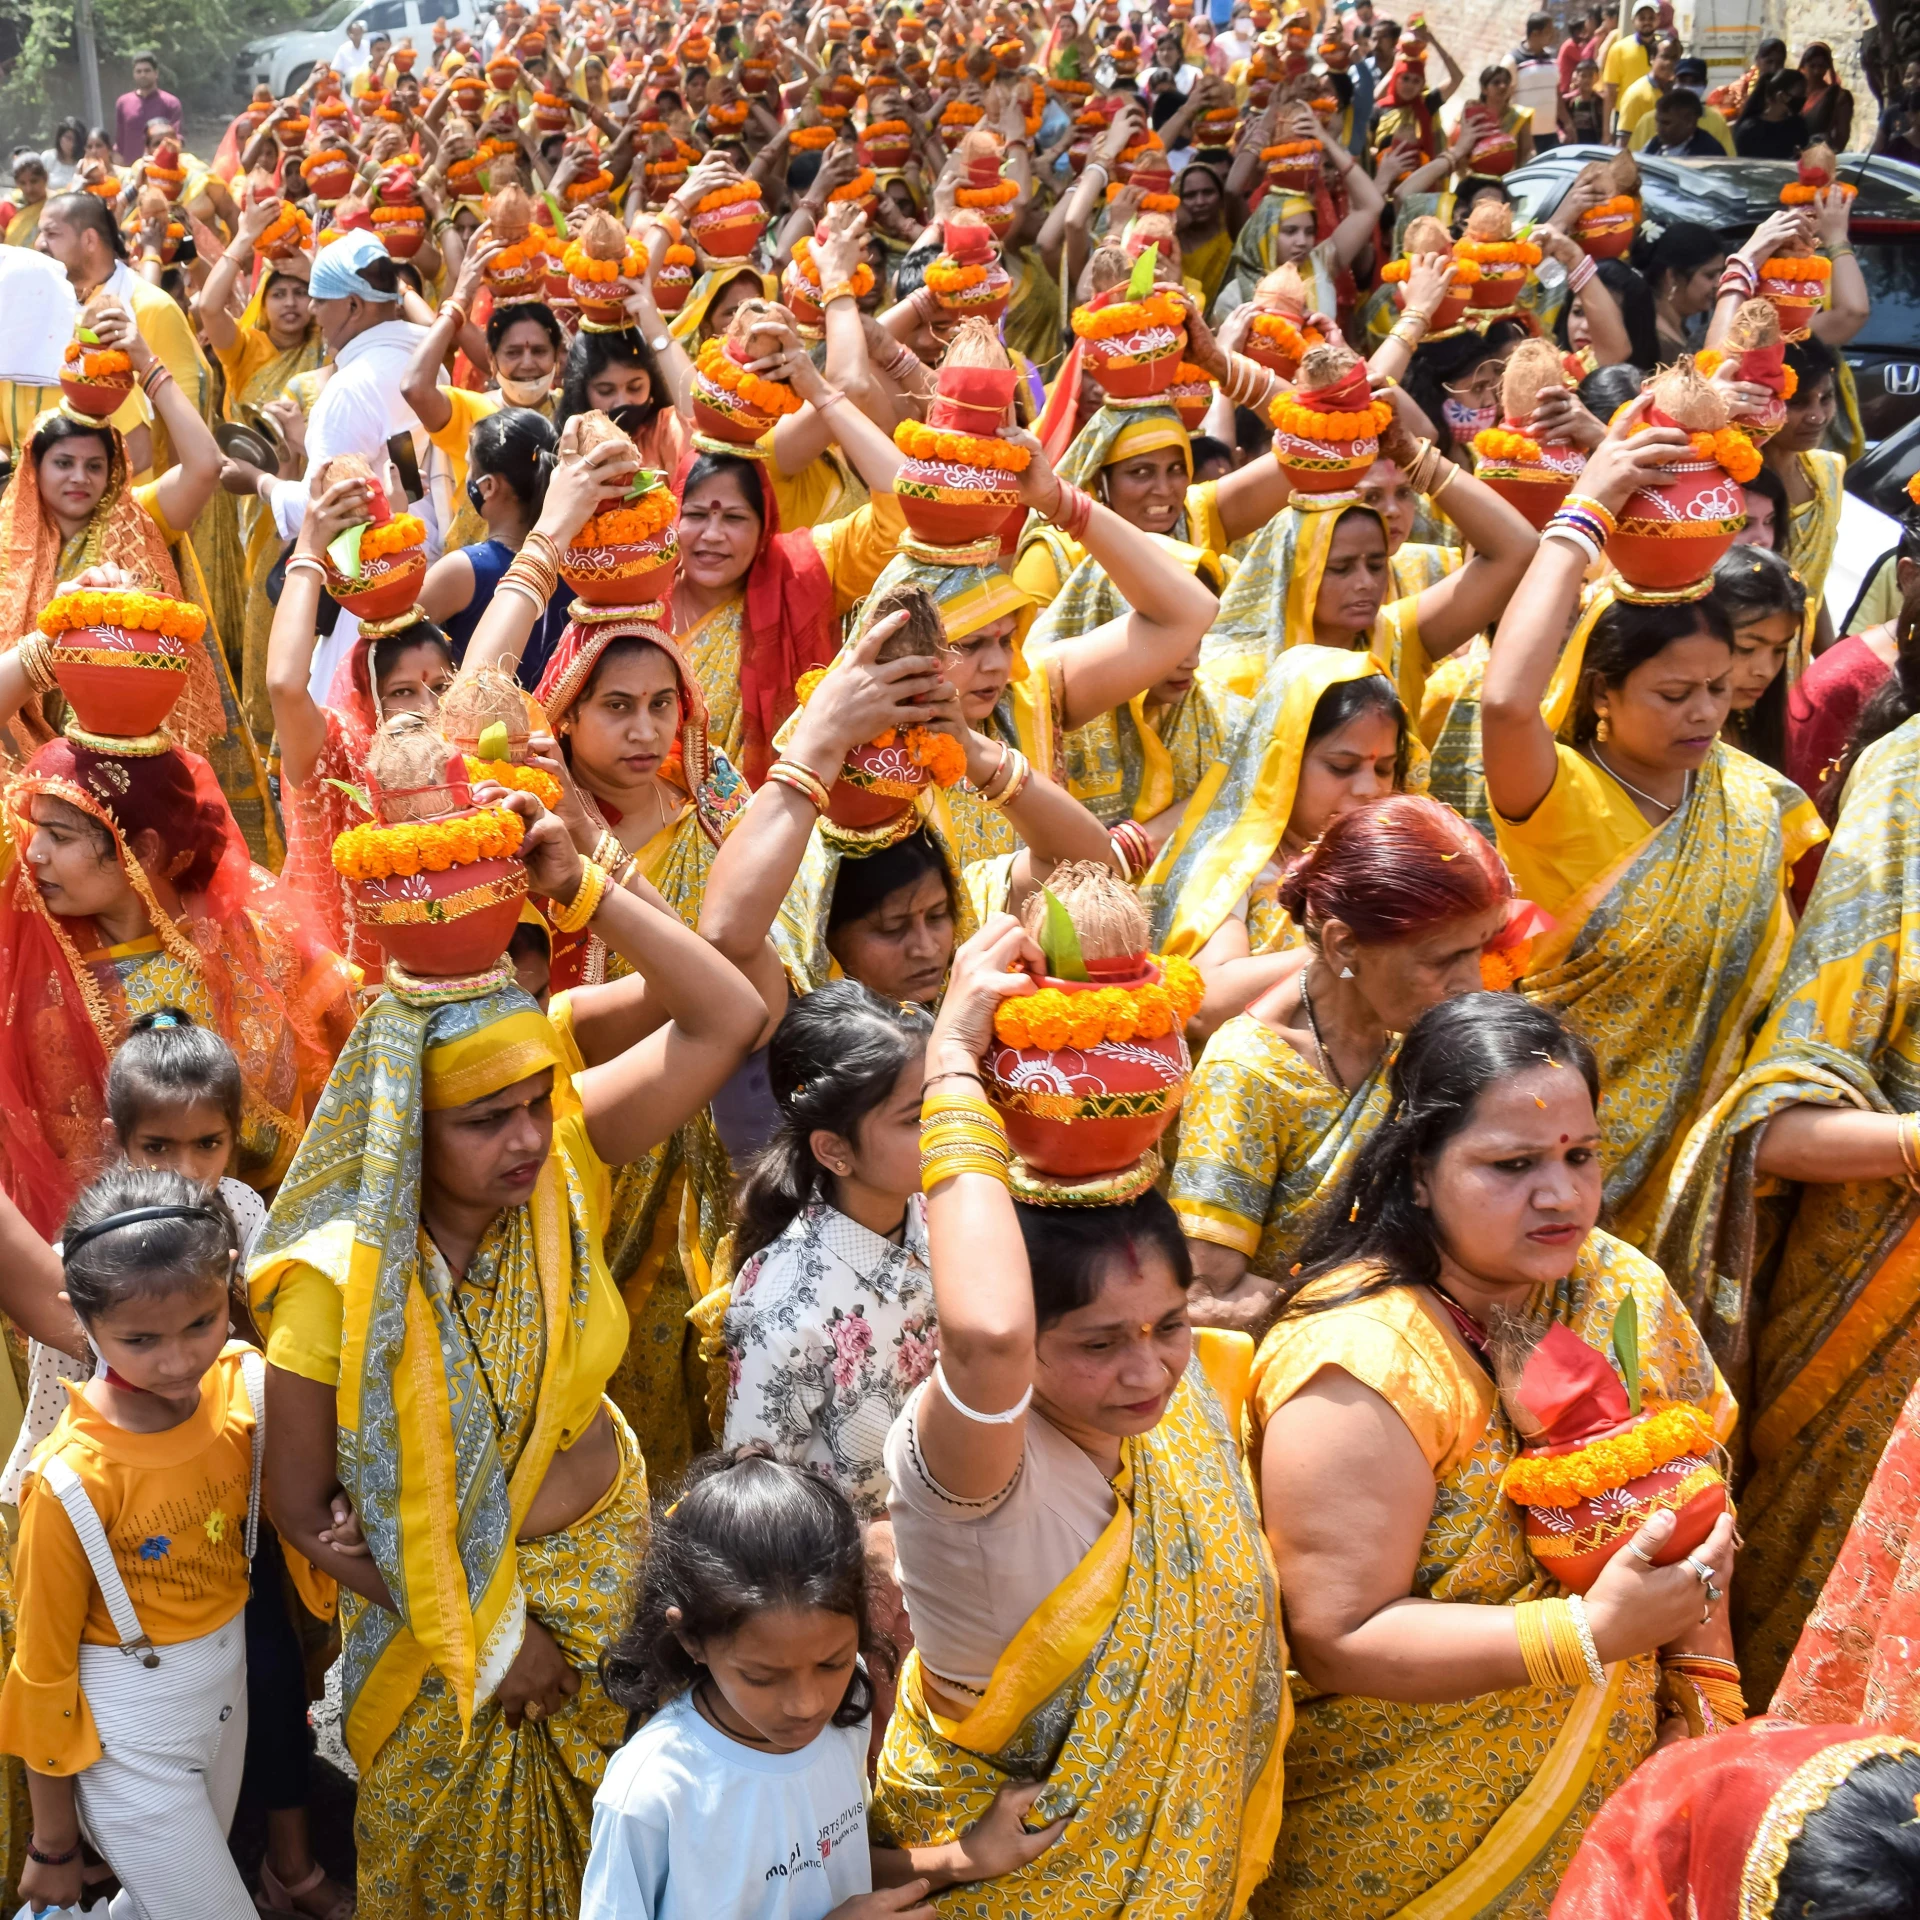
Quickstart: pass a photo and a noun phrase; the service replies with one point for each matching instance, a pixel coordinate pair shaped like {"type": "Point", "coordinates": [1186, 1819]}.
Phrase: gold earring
{"type": "Point", "coordinates": [1601, 729]}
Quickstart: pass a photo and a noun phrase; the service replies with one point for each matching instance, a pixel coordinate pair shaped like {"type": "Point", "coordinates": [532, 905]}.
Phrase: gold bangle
{"type": "Point", "coordinates": [1447, 473]}
{"type": "Point", "coordinates": [1574, 1610]}
{"type": "Point", "coordinates": [1542, 1675]}
{"type": "Point", "coordinates": [544, 543]}
{"type": "Point", "coordinates": [933, 1172]}
{"type": "Point", "coordinates": [607, 850]}
{"type": "Point", "coordinates": [35, 655]}
{"type": "Point", "coordinates": [1022, 772]}
{"type": "Point", "coordinates": [1585, 503]}
{"type": "Point", "coordinates": [573, 917]}
{"type": "Point", "coordinates": [1908, 1134]}
{"type": "Point", "coordinates": [801, 780]}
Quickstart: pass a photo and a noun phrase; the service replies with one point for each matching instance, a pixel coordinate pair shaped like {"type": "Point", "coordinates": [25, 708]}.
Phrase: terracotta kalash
{"type": "Point", "coordinates": [1668, 538]}
{"type": "Point", "coordinates": [960, 484]}
{"type": "Point", "coordinates": [435, 877]}
{"type": "Point", "coordinates": [881, 780]}
{"type": "Point", "coordinates": [1326, 433]}
{"type": "Point", "coordinates": [375, 567]}
{"type": "Point", "coordinates": [518, 271]}
{"type": "Point", "coordinates": [1504, 261]}
{"type": "Point", "coordinates": [1278, 336]}
{"type": "Point", "coordinates": [1135, 334]}
{"type": "Point", "coordinates": [625, 555]}
{"type": "Point", "coordinates": [801, 289]}
{"type": "Point", "coordinates": [966, 277]}
{"type": "Point", "coordinates": [1754, 352]}
{"type": "Point", "coordinates": [727, 223]}
{"type": "Point", "coordinates": [1606, 229]}
{"type": "Point", "coordinates": [95, 379]}
{"type": "Point", "coordinates": [1088, 1071]}
{"type": "Point", "coordinates": [734, 408]}
{"type": "Point", "coordinates": [1426, 235]}
{"type": "Point", "coordinates": [1597, 1464]}
{"type": "Point", "coordinates": [121, 659]}
{"type": "Point", "coordinates": [985, 190]}
{"type": "Point", "coordinates": [1532, 475]}
{"type": "Point", "coordinates": [604, 270]}
{"type": "Point", "coordinates": [673, 279]}
{"type": "Point", "coordinates": [1796, 281]}
{"type": "Point", "coordinates": [398, 217]}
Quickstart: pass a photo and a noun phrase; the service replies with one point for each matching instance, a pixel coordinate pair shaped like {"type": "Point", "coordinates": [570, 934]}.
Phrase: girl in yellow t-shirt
{"type": "Point", "coordinates": [127, 1696]}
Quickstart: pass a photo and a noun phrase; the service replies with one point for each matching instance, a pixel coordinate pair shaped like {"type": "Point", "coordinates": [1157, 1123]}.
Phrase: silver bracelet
{"type": "Point", "coordinates": [1577, 1607]}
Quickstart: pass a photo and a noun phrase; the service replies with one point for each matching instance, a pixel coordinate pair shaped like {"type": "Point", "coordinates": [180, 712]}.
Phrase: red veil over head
{"type": "Point", "coordinates": [236, 951]}
{"type": "Point", "coordinates": [1701, 1830]}
{"type": "Point", "coordinates": [1419, 113]}
{"type": "Point", "coordinates": [786, 627]}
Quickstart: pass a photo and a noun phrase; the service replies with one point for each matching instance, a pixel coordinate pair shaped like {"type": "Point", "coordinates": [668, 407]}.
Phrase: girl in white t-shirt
{"type": "Point", "coordinates": [743, 1794]}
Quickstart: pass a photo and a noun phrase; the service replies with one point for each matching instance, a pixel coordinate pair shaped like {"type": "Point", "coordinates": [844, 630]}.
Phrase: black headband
{"type": "Point", "coordinates": [134, 1217]}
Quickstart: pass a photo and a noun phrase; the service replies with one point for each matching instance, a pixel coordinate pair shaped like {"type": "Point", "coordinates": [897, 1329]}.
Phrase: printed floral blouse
{"type": "Point", "coordinates": [829, 1329]}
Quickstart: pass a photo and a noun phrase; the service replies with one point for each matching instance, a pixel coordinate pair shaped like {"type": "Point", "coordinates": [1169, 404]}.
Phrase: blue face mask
{"type": "Point", "coordinates": [1464, 421]}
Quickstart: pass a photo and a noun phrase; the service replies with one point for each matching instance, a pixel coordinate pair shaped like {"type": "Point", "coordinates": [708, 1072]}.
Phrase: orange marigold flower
{"type": "Point", "coordinates": [1158, 309]}
{"type": "Point", "coordinates": [996, 195]}
{"type": "Point", "coordinates": [1793, 266]}
{"type": "Point", "coordinates": [532, 251]}
{"type": "Point", "coordinates": [1289, 150]}
{"type": "Point", "coordinates": [115, 607]}
{"type": "Point", "coordinates": [811, 139]}
{"type": "Point", "coordinates": [945, 277]}
{"type": "Point", "coordinates": [1505, 447]}
{"type": "Point", "coordinates": [886, 129]}
{"type": "Point", "coordinates": [534, 780]}
{"type": "Point", "coordinates": [577, 190]}
{"type": "Point", "coordinates": [768, 396]}
{"type": "Point", "coordinates": [404, 530]}
{"type": "Point", "coordinates": [1611, 207]}
{"type": "Point", "coordinates": [918, 441]}
{"type": "Point", "coordinates": [375, 852]}
{"type": "Point", "coordinates": [1521, 253]}
{"type": "Point", "coordinates": [581, 265]}
{"type": "Point", "coordinates": [631, 524]}
{"type": "Point", "coordinates": [858, 188]}
{"type": "Point", "coordinates": [1053, 1019]}
{"type": "Point", "coordinates": [728, 196]}
{"type": "Point", "coordinates": [96, 363]}
{"type": "Point", "coordinates": [1797, 193]}
{"type": "Point", "coordinates": [1466, 273]}
{"type": "Point", "coordinates": [1289, 415]}
{"type": "Point", "coordinates": [1565, 1479]}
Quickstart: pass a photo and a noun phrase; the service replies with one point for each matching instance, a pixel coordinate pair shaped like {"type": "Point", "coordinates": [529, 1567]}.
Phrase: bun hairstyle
{"type": "Point", "coordinates": [195, 1243]}
{"type": "Point", "coordinates": [834, 1059]}
{"type": "Point", "coordinates": [169, 1060]}
{"type": "Point", "coordinates": [1393, 870]}
{"type": "Point", "coordinates": [1451, 1056]}
{"type": "Point", "coordinates": [747, 1535]}
{"type": "Point", "coordinates": [1858, 1856]}
{"type": "Point", "coordinates": [517, 446]}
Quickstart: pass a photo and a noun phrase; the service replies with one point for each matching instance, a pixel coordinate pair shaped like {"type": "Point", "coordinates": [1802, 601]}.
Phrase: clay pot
{"type": "Point", "coordinates": [1190, 400]}
{"type": "Point", "coordinates": [403, 238]}
{"type": "Point", "coordinates": [1322, 466]}
{"type": "Point", "coordinates": [1671, 537]}
{"type": "Point", "coordinates": [389, 584]}
{"type": "Point", "coordinates": [1498, 153]}
{"type": "Point", "coordinates": [1133, 366]}
{"type": "Point", "coordinates": [1297, 174]}
{"type": "Point", "coordinates": [1270, 354]}
{"type": "Point", "coordinates": [1535, 491]}
{"type": "Point", "coordinates": [331, 181]}
{"type": "Point", "coordinates": [727, 415]}
{"type": "Point", "coordinates": [730, 232]}
{"type": "Point", "coordinates": [291, 133]}
{"type": "Point", "coordinates": [526, 280]}
{"type": "Point", "coordinates": [120, 681]}
{"type": "Point", "coordinates": [602, 301]}
{"type": "Point", "coordinates": [629, 573]}
{"type": "Point", "coordinates": [987, 298]}
{"type": "Point", "coordinates": [444, 924]}
{"type": "Point", "coordinates": [1446, 316]}
{"type": "Point", "coordinates": [1795, 302]}
{"type": "Point", "coordinates": [1498, 287]}
{"type": "Point", "coordinates": [949, 505]}
{"type": "Point", "coordinates": [98, 399]}
{"type": "Point", "coordinates": [1604, 235]}
{"type": "Point", "coordinates": [1075, 1114]}
{"type": "Point", "coordinates": [552, 117]}
{"type": "Point", "coordinates": [671, 286]}
{"type": "Point", "coordinates": [1574, 1544]}
{"type": "Point", "coordinates": [876, 784]}
{"type": "Point", "coordinates": [890, 150]}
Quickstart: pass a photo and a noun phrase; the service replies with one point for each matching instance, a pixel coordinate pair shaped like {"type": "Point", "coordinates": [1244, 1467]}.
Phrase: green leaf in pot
{"type": "Point", "coordinates": [1626, 1347]}
{"type": "Point", "coordinates": [1060, 941]}
{"type": "Point", "coordinates": [644, 482]}
{"type": "Point", "coordinates": [86, 336]}
{"type": "Point", "coordinates": [344, 550]}
{"type": "Point", "coordinates": [493, 743]}
{"type": "Point", "coordinates": [1141, 282]}
{"type": "Point", "coordinates": [358, 795]}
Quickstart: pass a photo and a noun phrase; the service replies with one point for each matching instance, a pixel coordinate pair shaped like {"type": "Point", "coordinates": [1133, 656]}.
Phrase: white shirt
{"type": "Point", "coordinates": [351, 61]}
{"type": "Point", "coordinates": [689, 1825]}
{"type": "Point", "coordinates": [1536, 84]}
{"type": "Point", "coordinates": [358, 411]}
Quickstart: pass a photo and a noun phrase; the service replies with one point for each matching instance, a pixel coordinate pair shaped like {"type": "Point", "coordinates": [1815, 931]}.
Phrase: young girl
{"type": "Point", "coordinates": [743, 1796]}
{"type": "Point", "coordinates": [831, 1324]}
{"type": "Point", "coordinates": [127, 1697]}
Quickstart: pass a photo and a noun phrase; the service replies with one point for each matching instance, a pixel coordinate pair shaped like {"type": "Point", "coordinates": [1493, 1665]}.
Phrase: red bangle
{"type": "Point", "coordinates": [53, 1859]}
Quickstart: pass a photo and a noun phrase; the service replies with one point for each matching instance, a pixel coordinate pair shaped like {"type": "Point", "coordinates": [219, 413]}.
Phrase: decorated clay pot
{"type": "Point", "coordinates": [1076, 1113]}
{"type": "Point", "coordinates": [331, 176]}
{"type": "Point", "coordinates": [876, 784]}
{"type": "Point", "coordinates": [889, 150]}
{"type": "Point", "coordinates": [522, 279]}
{"type": "Point", "coordinates": [1794, 301]}
{"type": "Point", "coordinates": [388, 585]}
{"type": "Point", "coordinates": [291, 132]}
{"type": "Point", "coordinates": [1534, 489]}
{"type": "Point", "coordinates": [729, 232]}
{"type": "Point", "coordinates": [1498, 153]}
{"type": "Point", "coordinates": [1323, 466]}
{"type": "Point", "coordinates": [1297, 172]}
{"type": "Point", "coordinates": [444, 924]}
{"type": "Point", "coordinates": [551, 114]}
{"type": "Point", "coordinates": [120, 681]}
{"type": "Point", "coordinates": [671, 286]}
{"type": "Point", "coordinates": [403, 232]}
{"type": "Point", "coordinates": [1134, 366]}
{"type": "Point", "coordinates": [1606, 232]}
{"type": "Point", "coordinates": [1447, 316]}
{"type": "Point", "coordinates": [1190, 399]}
{"type": "Point", "coordinates": [1498, 287]}
{"type": "Point", "coordinates": [1573, 1544]}
{"type": "Point", "coordinates": [99, 399]}
{"type": "Point", "coordinates": [727, 414]}
{"type": "Point", "coordinates": [949, 505]}
{"type": "Point", "coordinates": [1271, 351]}
{"type": "Point", "coordinates": [627, 573]}
{"type": "Point", "coordinates": [756, 76]}
{"type": "Point", "coordinates": [1671, 537]}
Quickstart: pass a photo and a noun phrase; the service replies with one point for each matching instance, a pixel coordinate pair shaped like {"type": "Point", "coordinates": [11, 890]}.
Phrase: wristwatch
{"type": "Point", "coordinates": [660, 343]}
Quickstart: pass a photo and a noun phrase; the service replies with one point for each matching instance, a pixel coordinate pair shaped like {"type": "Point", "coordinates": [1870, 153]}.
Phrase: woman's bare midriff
{"type": "Point", "coordinates": [576, 1482]}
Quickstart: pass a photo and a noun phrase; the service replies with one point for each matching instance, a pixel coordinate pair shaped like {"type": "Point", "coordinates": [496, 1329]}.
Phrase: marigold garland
{"type": "Point", "coordinates": [1797, 193]}
{"type": "Point", "coordinates": [1710, 360]}
{"type": "Point", "coordinates": [96, 363]}
{"type": "Point", "coordinates": [996, 195]}
{"type": "Point", "coordinates": [947, 277]}
{"type": "Point", "coordinates": [919, 441]}
{"type": "Point", "coordinates": [728, 197]}
{"type": "Point", "coordinates": [1506, 448]}
{"type": "Point", "coordinates": [1793, 266]}
{"type": "Point", "coordinates": [963, 113]}
{"type": "Point", "coordinates": [289, 223]}
{"type": "Point", "coordinates": [1729, 448]}
{"type": "Point", "coordinates": [1290, 415]}
{"type": "Point", "coordinates": [1283, 333]}
{"type": "Point", "coordinates": [397, 535]}
{"type": "Point", "coordinates": [1149, 202]}
{"type": "Point", "coordinates": [1466, 273]}
{"type": "Point", "coordinates": [939, 755]}
{"type": "Point", "coordinates": [679, 256]}
{"type": "Point", "coordinates": [1288, 150]}
{"type": "Point", "coordinates": [728, 114]}
{"type": "Point", "coordinates": [1565, 1479]}
{"type": "Point", "coordinates": [112, 607]}
{"type": "Point", "coordinates": [632, 524]}
{"type": "Point", "coordinates": [529, 252]}
{"type": "Point", "coordinates": [374, 852]}
{"type": "Point", "coordinates": [1913, 489]}
{"type": "Point", "coordinates": [1520, 253]}
{"type": "Point", "coordinates": [503, 773]}
{"type": "Point", "coordinates": [723, 370]}
{"type": "Point", "coordinates": [581, 265]}
{"type": "Point", "coordinates": [1161, 309]}
{"type": "Point", "coordinates": [578, 190]}
{"type": "Point", "coordinates": [405, 215]}
{"type": "Point", "coordinates": [319, 162]}
{"type": "Point", "coordinates": [1051, 1019]}
{"type": "Point", "coordinates": [887, 129]}
{"type": "Point", "coordinates": [811, 139]}
{"type": "Point", "coordinates": [860, 187]}
{"type": "Point", "coordinates": [1618, 203]}
{"type": "Point", "coordinates": [809, 269]}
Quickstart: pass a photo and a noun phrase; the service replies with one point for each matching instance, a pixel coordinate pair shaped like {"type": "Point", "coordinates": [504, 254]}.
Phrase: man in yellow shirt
{"type": "Point", "coordinates": [1628, 58]}
{"type": "Point", "coordinates": [1646, 93]}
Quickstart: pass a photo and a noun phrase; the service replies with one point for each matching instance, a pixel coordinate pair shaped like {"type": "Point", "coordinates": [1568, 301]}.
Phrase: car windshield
{"type": "Point", "coordinates": [1892, 271]}
{"type": "Point", "coordinates": [336, 15]}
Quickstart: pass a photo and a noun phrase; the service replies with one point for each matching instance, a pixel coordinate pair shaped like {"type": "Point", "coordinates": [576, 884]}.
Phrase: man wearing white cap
{"type": "Point", "coordinates": [356, 299]}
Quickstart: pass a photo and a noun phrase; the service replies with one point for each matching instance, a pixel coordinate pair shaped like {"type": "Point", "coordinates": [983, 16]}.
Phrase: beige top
{"type": "Point", "coordinates": [974, 1571]}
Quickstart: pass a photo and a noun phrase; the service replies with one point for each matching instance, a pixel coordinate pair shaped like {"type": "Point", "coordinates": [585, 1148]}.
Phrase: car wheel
{"type": "Point", "coordinates": [295, 80]}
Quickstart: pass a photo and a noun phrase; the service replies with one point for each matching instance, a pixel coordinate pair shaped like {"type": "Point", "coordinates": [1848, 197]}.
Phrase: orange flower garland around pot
{"type": "Point", "coordinates": [120, 658]}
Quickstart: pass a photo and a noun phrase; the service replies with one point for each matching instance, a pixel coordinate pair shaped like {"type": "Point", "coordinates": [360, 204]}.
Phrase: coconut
{"type": "Point", "coordinates": [1108, 268]}
{"type": "Point", "coordinates": [1156, 230]}
{"type": "Point", "coordinates": [749, 335]}
{"type": "Point", "coordinates": [979, 147]}
{"type": "Point", "coordinates": [1687, 400]}
{"type": "Point", "coordinates": [602, 237]}
{"type": "Point", "coordinates": [975, 343]}
{"type": "Point", "coordinates": [153, 204]}
{"type": "Point", "coordinates": [408, 774]}
{"type": "Point", "coordinates": [1818, 164]}
{"type": "Point", "coordinates": [1532, 369]}
{"type": "Point", "coordinates": [1755, 326]}
{"type": "Point", "coordinates": [481, 699]}
{"type": "Point", "coordinates": [1326, 366]}
{"type": "Point", "coordinates": [1107, 914]}
{"type": "Point", "coordinates": [1284, 292]}
{"type": "Point", "coordinates": [1425, 234]}
{"type": "Point", "coordinates": [1490, 222]}
{"type": "Point", "coordinates": [1622, 173]}
{"type": "Point", "coordinates": [923, 635]}
{"type": "Point", "coordinates": [510, 214]}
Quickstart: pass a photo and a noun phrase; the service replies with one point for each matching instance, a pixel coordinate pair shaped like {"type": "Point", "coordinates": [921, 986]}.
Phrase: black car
{"type": "Point", "coordinates": [1732, 197]}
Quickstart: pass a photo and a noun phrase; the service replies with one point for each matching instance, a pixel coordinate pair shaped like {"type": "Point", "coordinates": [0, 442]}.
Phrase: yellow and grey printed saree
{"type": "Point", "coordinates": [1811, 1295]}
{"type": "Point", "coordinates": [1460, 1809]}
{"type": "Point", "coordinates": [1148, 1691]}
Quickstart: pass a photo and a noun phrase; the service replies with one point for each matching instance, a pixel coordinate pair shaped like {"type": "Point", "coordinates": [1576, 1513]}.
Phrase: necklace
{"type": "Point", "coordinates": [1319, 1045]}
{"type": "Point", "coordinates": [1640, 793]}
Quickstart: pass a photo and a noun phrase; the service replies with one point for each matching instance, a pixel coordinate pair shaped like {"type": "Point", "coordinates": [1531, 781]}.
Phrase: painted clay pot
{"type": "Point", "coordinates": [756, 76]}
{"type": "Point", "coordinates": [1323, 466]}
{"type": "Point", "coordinates": [551, 114]}
{"type": "Point", "coordinates": [727, 415]}
{"type": "Point", "coordinates": [1268, 351]}
{"type": "Point", "coordinates": [331, 178]}
{"type": "Point", "coordinates": [1298, 173]}
{"type": "Point", "coordinates": [987, 298]}
{"type": "Point", "coordinates": [525, 279]}
{"type": "Point", "coordinates": [1795, 302]}
{"type": "Point", "coordinates": [802, 300]}
{"type": "Point", "coordinates": [120, 681]}
{"type": "Point", "coordinates": [671, 286]}
{"type": "Point", "coordinates": [730, 232]}
{"type": "Point", "coordinates": [1498, 153]}
{"type": "Point", "coordinates": [404, 233]}
{"type": "Point", "coordinates": [1534, 490]}
{"type": "Point", "coordinates": [1574, 1544]}
{"type": "Point", "coordinates": [948, 504]}
{"type": "Point", "coordinates": [1133, 366]}
{"type": "Point", "coordinates": [1190, 400]}
{"type": "Point", "coordinates": [98, 399]}
{"type": "Point", "coordinates": [388, 585]}
{"type": "Point", "coordinates": [1498, 286]}
{"type": "Point", "coordinates": [291, 133]}
{"type": "Point", "coordinates": [889, 150]}
{"type": "Point", "coordinates": [1075, 1113]}
{"type": "Point", "coordinates": [444, 924]}
{"type": "Point", "coordinates": [628, 573]}
{"type": "Point", "coordinates": [876, 784]}
{"type": "Point", "coordinates": [1446, 316]}
{"type": "Point", "coordinates": [1671, 537]}
{"type": "Point", "coordinates": [1606, 234]}
{"type": "Point", "coordinates": [602, 301]}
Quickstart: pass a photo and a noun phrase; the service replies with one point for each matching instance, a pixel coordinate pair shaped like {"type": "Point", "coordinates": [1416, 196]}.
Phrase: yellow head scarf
{"type": "Point", "coordinates": [685, 325]}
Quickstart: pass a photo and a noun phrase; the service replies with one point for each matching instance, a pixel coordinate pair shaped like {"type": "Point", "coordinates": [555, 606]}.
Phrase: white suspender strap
{"type": "Point", "coordinates": [253, 1370]}
{"type": "Point", "coordinates": [72, 1494]}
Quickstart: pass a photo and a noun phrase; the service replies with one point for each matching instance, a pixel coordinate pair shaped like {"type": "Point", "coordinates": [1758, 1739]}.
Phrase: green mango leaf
{"type": "Point", "coordinates": [86, 336]}
{"type": "Point", "coordinates": [493, 743]}
{"type": "Point", "coordinates": [373, 196]}
{"type": "Point", "coordinates": [644, 482]}
{"type": "Point", "coordinates": [1626, 1347]}
{"type": "Point", "coordinates": [344, 550]}
{"type": "Point", "coordinates": [358, 795]}
{"type": "Point", "coordinates": [1060, 942]}
{"type": "Point", "coordinates": [559, 212]}
{"type": "Point", "coordinates": [1141, 284]}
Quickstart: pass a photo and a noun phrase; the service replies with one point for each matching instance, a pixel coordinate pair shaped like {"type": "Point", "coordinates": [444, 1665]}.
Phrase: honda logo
{"type": "Point", "coordinates": [1901, 377]}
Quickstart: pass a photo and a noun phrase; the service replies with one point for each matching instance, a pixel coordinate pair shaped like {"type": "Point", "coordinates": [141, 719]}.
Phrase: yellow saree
{"type": "Point", "coordinates": [1450, 729]}
{"type": "Point", "coordinates": [1459, 1809]}
{"type": "Point", "coordinates": [1813, 530]}
{"type": "Point", "coordinates": [1148, 1692]}
{"type": "Point", "coordinates": [1810, 1294]}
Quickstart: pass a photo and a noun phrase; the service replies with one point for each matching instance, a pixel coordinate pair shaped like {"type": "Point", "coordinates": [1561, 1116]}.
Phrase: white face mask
{"type": "Point", "coordinates": [525, 393]}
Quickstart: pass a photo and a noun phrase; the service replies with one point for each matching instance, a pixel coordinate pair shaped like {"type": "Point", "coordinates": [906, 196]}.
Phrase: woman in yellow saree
{"type": "Point", "coordinates": [440, 1322]}
{"type": "Point", "coordinates": [1793, 1207]}
{"type": "Point", "coordinates": [1812, 475]}
{"type": "Point", "coordinates": [1436, 1770]}
{"type": "Point", "coordinates": [1662, 853]}
{"type": "Point", "coordinates": [1127, 1650]}
{"type": "Point", "coordinates": [1397, 900]}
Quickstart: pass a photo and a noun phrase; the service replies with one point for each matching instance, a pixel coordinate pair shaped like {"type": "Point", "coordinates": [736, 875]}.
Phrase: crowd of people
{"type": "Point", "coordinates": [945, 970]}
